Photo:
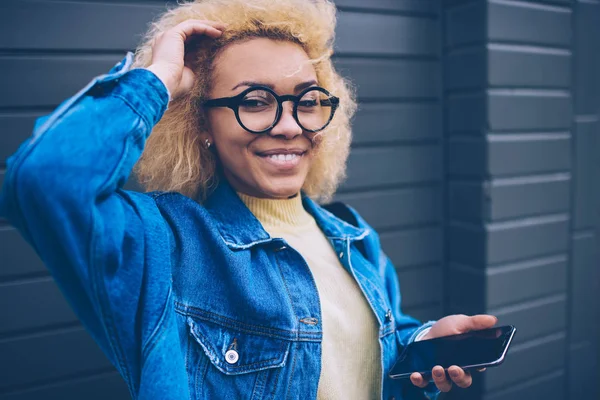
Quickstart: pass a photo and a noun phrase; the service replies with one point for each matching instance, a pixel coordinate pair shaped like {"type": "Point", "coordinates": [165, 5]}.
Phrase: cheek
{"type": "Point", "coordinates": [233, 152]}
{"type": "Point", "coordinates": [229, 137]}
{"type": "Point", "coordinates": [221, 122]}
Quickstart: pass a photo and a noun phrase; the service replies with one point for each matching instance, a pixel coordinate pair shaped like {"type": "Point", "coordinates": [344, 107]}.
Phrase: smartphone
{"type": "Point", "coordinates": [476, 349]}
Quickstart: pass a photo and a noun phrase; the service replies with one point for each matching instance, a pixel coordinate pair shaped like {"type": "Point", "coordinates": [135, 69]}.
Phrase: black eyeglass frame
{"type": "Point", "coordinates": [234, 104]}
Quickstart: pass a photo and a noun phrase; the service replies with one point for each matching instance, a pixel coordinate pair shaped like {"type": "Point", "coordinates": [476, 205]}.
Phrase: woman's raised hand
{"type": "Point", "coordinates": [168, 53]}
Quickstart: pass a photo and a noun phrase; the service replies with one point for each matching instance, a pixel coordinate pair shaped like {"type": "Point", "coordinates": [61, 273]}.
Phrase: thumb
{"type": "Point", "coordinates": [186, 83]}
{"type": "Point", "coordinates": [187, 80]}
{"type": "Point", "coordinates": [481, 321]}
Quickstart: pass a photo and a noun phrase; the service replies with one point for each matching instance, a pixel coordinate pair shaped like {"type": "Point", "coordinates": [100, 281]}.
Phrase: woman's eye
{"type": "Point", "coordinates": [254, 103]}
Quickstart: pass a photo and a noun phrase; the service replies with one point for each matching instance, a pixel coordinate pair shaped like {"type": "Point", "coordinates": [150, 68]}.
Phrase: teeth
{"type": "Point", "coordinates": [283, 157]}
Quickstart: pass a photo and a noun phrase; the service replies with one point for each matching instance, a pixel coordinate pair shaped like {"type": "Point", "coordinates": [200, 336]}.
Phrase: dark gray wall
{"type": "Point", "coordinates": [521, 95]}
{"type": "Point", "coordinates": [486, 207]}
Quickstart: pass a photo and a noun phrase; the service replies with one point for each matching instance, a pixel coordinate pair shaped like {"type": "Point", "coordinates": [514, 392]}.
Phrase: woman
{"type": "Point", "coordinates": [228, 281]}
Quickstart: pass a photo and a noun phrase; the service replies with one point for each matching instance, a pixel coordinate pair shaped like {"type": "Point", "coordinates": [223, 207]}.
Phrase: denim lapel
{"type": "Point", "coordinates": [239, 228]}
{"type": "Point", "coordinates": [332, 226]}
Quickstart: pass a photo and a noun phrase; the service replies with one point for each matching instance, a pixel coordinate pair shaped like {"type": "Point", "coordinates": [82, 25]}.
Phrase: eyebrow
{"type": "Point", "coordinates": [298, 87]}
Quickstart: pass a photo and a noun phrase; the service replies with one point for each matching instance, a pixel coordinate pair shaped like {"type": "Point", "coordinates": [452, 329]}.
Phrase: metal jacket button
{"type": "Point", "coordinates": [232, 356]}
{"type": "Point", "coordinates": [388, 316]}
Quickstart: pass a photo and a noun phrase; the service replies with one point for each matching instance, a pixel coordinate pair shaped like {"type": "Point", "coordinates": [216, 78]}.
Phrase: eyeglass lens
{"type": "Point", "coordinates": [258, 110]}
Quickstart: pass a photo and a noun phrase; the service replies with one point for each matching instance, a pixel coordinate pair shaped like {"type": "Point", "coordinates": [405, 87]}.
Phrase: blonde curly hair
{"type": "Point", "coordinates": [174, 158]}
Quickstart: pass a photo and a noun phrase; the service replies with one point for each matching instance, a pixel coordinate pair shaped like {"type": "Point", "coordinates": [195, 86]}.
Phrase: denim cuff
{"type": "Point", "coordinates": [431, 391]}
{"type": "Point", "coordinates": [421, 334]}
{"type": "Point", "coordinates": [422, 328]}
{"type": "Point", "coordinates": [145, 93]}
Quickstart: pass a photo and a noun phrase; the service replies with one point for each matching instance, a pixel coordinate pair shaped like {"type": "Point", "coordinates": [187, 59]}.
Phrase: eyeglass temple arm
{"type": "Point", "coordinates": [330, 102]}
{"type": "Point", "coordinates": [223, 102]}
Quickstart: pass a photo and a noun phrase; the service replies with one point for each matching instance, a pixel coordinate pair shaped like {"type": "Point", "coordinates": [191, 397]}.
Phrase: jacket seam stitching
{"type": "Point", "coordinates": [287, 390]}
{"type": "Point", "coordinates": [231, 323]}
{"type": "Point", "coordinates": [106, 315]}
{"type": "Point", "coordinates": [201, 370]}
{"type": "Point", "coordinates": [157, 331]}
{"type": "Point", "coordinates": [100, 288]}
{"type": "Point", "coordinates": [133, 108]}
{"type": "Point", "coordinates": [287, 290]}
{"type": "Point", "coordinates": [256, 386]}
{"type": "Point", "coordinates": [97, 273]}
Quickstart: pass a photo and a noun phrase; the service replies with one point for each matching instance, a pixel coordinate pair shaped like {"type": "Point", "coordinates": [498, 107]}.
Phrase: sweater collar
{"type": "Point", "coordinates": [241, 229]}
{"type": "Point", "coordinates": [278, 214]}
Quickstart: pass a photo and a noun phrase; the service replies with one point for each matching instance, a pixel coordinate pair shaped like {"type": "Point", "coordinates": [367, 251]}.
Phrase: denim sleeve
{"type": "Point", "coordinates": [62, 191]}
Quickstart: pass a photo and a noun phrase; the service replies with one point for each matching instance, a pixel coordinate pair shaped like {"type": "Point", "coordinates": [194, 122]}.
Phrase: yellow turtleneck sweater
{"type": "Point", "coordinates": [350, 358]}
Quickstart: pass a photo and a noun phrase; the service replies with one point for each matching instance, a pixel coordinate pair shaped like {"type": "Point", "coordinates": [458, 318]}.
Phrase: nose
{"type": "Point", "coordinates": [286, 126]}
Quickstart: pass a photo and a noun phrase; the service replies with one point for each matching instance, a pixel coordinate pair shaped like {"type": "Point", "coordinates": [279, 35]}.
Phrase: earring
{"type": "Point", "coordinates": [207, 144]}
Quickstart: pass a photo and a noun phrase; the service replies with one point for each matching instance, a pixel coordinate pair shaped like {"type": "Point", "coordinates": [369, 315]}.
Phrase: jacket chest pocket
{"type": "Point", "coordinates": [227, 363]}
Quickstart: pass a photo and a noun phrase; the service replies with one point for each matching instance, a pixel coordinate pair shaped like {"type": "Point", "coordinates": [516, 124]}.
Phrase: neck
{"type": "Point", "coordinates": [278, 213]}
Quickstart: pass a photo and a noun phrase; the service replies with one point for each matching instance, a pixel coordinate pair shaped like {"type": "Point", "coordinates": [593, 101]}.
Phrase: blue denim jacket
{"type": "Point", "coordinates": [166, 286]}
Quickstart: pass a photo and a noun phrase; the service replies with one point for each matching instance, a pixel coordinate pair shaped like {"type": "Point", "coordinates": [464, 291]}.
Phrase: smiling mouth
{"type": "Point", "coordinates": [282, 158]}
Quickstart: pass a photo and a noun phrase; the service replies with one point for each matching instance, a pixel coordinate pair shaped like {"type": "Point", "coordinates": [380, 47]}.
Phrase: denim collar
{"type": "Point", "coordinates": [240, 229]}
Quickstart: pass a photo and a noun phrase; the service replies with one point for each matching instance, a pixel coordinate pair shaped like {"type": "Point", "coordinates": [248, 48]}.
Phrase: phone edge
{"type": "Point", "coordinates": [495, 363]}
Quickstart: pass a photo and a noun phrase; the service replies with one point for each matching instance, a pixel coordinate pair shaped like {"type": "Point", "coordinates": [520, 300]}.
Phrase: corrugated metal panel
{"type": "Point", "coordinates": [513, 193]}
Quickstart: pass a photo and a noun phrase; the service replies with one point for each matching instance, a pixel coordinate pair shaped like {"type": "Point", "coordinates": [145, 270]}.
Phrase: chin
{"type": "Point", "coordinates": [283, 189]}
{"type": "Point", "coordinates": [281, 193]}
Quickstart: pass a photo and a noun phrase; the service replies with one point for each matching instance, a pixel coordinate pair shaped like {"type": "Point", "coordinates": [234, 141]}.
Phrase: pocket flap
{"type": "Point", "coordinates": [236, 352]}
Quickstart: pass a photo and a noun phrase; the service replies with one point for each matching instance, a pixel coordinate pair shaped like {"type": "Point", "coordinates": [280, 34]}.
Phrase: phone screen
{"type": "Point", "coordinates": [477, 348]}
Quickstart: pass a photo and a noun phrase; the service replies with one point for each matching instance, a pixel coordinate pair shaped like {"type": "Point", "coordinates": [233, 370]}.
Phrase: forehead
{"type": "Point", "coordinates": [279, 63]}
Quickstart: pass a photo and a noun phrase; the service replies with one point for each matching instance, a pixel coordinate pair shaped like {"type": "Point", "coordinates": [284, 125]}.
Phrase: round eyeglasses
{"type": "Point", "coordinates": [258, 108]}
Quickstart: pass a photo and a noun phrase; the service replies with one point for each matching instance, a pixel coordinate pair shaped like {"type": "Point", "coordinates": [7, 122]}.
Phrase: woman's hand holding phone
{"type": "Point", "coordinates": [452, 325]}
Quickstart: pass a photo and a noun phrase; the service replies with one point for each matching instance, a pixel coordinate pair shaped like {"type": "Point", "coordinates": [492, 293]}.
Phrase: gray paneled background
{"type": "Point", "coordinates": [475, 157]}
{"type": "Point", "coordinates": [521, 91]}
